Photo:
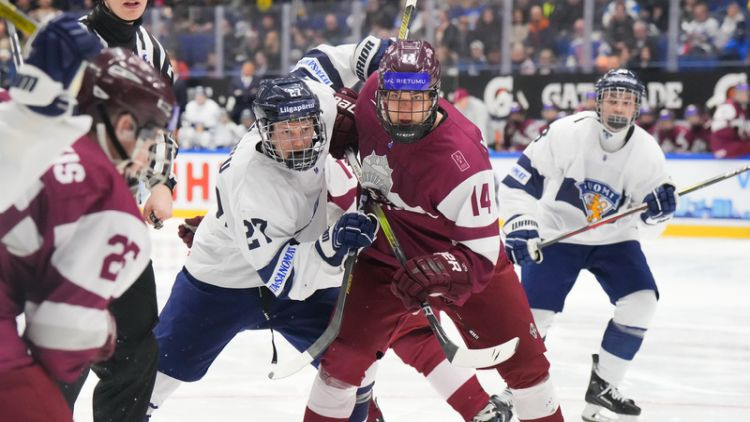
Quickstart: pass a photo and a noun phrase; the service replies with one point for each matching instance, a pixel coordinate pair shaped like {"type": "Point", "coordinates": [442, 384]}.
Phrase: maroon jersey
{"type": "Point", "coordinates": [441, 189]}
{"type": "Point", "coordinates": [696, 137]}
{"type": "Point", "coordinates": [518, 135]}
{"type": "Point", "coordinates": [71, 244]}
{"type": "Point", "coordinates": [672, 139]}
{"type": "Point", "coordinates": [730, 130]}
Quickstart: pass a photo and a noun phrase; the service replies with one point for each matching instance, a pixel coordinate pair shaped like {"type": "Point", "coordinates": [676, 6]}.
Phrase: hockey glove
{"type": "Point", "coordinates": [662, 203]}
{"type": "Point", "coordinates": [186, 231]}
{"type": "Point", "coordinates": [344, 130]}
{"type": "Point", "coordinates": [367, 56]}
{"type": "Point", "coordinates": [353, 231]}
{"type": "Point", "coordinates": [440, 274]}
{"type": "Point", "coordinates": [50, 78]}
{"type": "Point", "coordinates": [522, 240]}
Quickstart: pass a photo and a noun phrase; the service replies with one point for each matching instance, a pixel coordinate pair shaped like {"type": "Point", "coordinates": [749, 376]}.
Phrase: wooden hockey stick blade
{"type": "Point", "coordinates": [615, 217]}
{"type": "Point", "coordinates": [24, 23]}
{"type": "Point", "coordinates": [403, 31]}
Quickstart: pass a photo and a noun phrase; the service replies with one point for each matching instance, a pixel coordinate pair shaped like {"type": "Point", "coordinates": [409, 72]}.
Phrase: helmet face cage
{"type": "Point", "coordinates": [295, 142]}
{"type": "Point", "coordinates": [408, 66]}
{"type": "Point", "coordinates": [620, 84]}
{"type": "Point", "coordinates": [409, 108]}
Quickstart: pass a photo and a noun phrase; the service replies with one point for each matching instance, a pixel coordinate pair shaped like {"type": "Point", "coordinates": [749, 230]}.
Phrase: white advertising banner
{"type": "Point", "coordinates": [722, 209]}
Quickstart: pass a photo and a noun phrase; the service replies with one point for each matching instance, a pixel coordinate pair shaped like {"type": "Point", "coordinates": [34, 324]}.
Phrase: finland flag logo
{"type": "Point", "coordinates": [599, 200]}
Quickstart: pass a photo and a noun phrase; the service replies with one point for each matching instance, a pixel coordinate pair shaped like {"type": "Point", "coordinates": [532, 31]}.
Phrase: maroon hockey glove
{"type": "Point", "coordinates": [440, 274]}
{"type": "Point", "coordinates": [186, 231]}
{"type": "Point", "coordinates": [344, 130]}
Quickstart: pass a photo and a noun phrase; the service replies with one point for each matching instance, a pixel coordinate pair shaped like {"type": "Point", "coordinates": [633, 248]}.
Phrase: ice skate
{"type": "Point", "coordinates": [499, 409]}
{"type": "Point", "coordinates": [604, 403]}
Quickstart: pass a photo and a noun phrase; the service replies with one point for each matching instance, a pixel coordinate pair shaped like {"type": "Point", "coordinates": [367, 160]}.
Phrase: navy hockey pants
{"type": "Point", "coordinates": [199, 319]}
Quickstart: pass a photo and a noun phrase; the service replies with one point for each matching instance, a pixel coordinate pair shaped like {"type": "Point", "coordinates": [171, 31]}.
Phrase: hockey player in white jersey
{"type": "Point", "coordinates": [583, 168]}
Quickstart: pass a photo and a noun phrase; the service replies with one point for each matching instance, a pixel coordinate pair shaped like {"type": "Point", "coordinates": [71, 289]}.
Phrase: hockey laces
{"type": "Point", "coordinates": [614, 392]}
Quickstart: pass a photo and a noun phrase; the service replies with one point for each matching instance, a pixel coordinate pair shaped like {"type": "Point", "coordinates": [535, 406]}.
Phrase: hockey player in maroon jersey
{"type": "Point", "coordinates": [74, 240]}
{"type": "Point", "coordinates": [697, 129]}
{"type": "Point", "coordinates": [519, 131]}
{"type": "Point", "coordinates": [428, 162]}
{"type": "Point", "coordinates": [730, 129]}
{"type": "Point", "coordinates": [669, 135]}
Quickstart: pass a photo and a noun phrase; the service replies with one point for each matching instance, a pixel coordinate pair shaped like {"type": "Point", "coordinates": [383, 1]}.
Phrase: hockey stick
{"type": "Point", "coordinates": [9, 12]}
{"type": "Point", "coordinates": [291, 367]}
{"type": "Point", "coordinates": [403, 31]}
{"type": "Point", "coordinates": [457, 355]}
{"type": "Point", "coordinates": [640, 208]}
{"type": "Point", "coordinates": [295, 365]}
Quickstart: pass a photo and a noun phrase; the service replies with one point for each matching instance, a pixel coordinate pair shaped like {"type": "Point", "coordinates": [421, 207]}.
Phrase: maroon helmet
{"type": "Point", "coordinates": [408, 67]}
{"type": "Point", "coordinates": [115, 83]}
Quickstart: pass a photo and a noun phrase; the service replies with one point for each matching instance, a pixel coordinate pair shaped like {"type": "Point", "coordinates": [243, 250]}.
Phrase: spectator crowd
{"type": "Point", "coordinates": [242, 41]}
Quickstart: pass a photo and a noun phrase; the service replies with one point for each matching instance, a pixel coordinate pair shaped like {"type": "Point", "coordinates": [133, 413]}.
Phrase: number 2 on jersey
{"type": "Point", "coordinates": [252, 228]}
{"type": "Point", "coordinates": [481, 200]}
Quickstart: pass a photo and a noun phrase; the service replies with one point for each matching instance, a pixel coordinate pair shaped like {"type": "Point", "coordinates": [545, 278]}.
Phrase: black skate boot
{"type": "Point", "coordinates": [499, 409]}
{"type": "Point", "coordinates": [604, 403]}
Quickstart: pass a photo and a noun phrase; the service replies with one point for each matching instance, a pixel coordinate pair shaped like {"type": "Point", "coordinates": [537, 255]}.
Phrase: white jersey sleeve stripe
{"type": "Point", "coordinates": [62, 326]}
{"type": "Point", "coordinates": [488, 247]}
{"type": "Point", "coordinates": [117, 250]}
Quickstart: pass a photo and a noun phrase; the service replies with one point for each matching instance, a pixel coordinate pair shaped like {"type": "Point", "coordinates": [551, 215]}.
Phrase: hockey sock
{"type": "Point", "coordinates": [164, 386]}
{"type": "Point", "coordinates": [624, 334]}
{"type": "Point", "coordinates": [362, 404]}
{"type": "Point", "coordinates": [537, 403]}
{"type": "Point", "coordinates": [330, 400]}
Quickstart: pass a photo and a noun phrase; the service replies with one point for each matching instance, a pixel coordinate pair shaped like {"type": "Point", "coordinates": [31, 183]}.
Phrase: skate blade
{"type": "Point", "coordinates": [595, 413]}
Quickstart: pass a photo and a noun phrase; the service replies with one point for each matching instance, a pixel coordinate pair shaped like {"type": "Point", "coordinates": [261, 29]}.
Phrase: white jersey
{"type": "Point", "coordinates": [263, 228]}
{"type": "Point", "coordinates": [565, 179]}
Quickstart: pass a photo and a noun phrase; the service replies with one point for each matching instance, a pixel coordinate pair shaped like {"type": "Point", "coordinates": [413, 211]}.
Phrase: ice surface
{"type": "Point", "coordinates": [694, 364]}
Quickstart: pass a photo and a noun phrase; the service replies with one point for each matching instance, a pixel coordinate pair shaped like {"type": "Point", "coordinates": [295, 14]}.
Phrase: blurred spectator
{"type": "Point", "coordinates": [446, 33]}
{"type": "Point", "coordinates": [700, 33]}
{"type": "Point", "coordinates": [632, 8]}
{"type": "Point", "coordinates": [575, 48]}
{"type": "Point", "coordinates": [646, 118]}
{"type": "Point", "coordinates": [247, 120]}
{"type": "Point", "coordinates": [549, 115]}
{"type": "Point", "coordinates": [670, 137]}
{"type": "Point", "coordinates": [463, 36]}
{"type": "Point", "coordinates": [620, 26]}
{"type": "Point", "coordinates": [333, 33]}
{"type": "Point", "coordinates": [730, 134]}
{"type": "Point", "coordinates": [520, 28]}
{"type": "Point", "coordinates": [487, 30]}
{"type": "Point", "coordinates": [564, 16]}
{"type": "Point", "coordinates": [226, 133]}
{"type": "Point", "coordinates": [179, 85]}
{"type": "Point", "coordinates": [261, 64]}
{"type": "Point", "coordinates": [540, 34]}
{"type": "Point", "coordinates": [697, 132]}
{"type": "Point", "coordinates": [201, 115]}
{"type": "Point", "coordinates": [644, 59]}
{"type": "Point", "coordinates": [731, 40]}
{"type": "Point", "coordinates": [642, 39]}
{"type": "Point", "coordinates": [546, 63]}
{"type": "Point", "coordinates": [520, 61]}
{"type": "Point", "coordinates": [244, 89]}
{"type": "Point", "coordinates": [519, 131]}
{"type": "Point", "coordinates": [476, 61]}
{"type": "Point", "coordinates": [380, 15]}
{"type": "Point", "coordinates": [44, 10]}
{"type": "Point", "coordinates": [473, 109]}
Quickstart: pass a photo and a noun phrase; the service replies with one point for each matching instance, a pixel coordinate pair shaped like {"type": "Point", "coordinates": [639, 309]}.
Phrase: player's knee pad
{"type": "Point", "coordinates": [543, 318]}
{"type": "Point", "coordinates": [636, 309]}
{"type": "Point", "coordinates": [535, 402]}
{"type": "Point", "coordinates": [331, 397]}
